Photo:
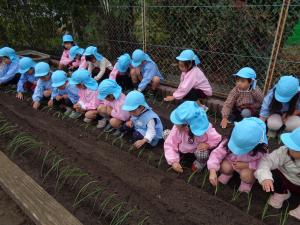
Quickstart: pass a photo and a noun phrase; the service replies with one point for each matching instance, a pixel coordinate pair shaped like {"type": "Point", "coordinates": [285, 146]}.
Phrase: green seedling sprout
{"type": "Point", "coordinates": [96, 192]}
{"type": "Point", "coordinates": [160, 160]}
{"type": "Point", "coordinates": [206, 173]}
{"type": "Point", "coordinates": [144, 220]}
{"type": "Point", "coordinates": [141, 152]}
{"type": "Point", "coordinates": [117, 213]}
{"type": "Point", "coordinates": [81, 191]}
{"type": "Point", "coordinates": [55, 165]}
{"type": "Point", "coordinates": [6, 128]}
{"type": "Point", "coordinates": [217, 189]}
{"type": "Point", "coordinates": [122, 218]}
{"type": "Point", "coordinates": [284, 216]}
{"type": "Point", "coordinates": [117, 206]}
{"type": "Point", "coordinates": [235, 194]}
{"type": "Point", "coordinates": [265, 209]}
{"type": "Point", "coordinates": [49, 153]}
{"type": "Point", "coordinates": [105, 203]}
{"type": "Point", "coordinates": [191, 176]}
{"type": "Point", "coordinates": [249, 198]}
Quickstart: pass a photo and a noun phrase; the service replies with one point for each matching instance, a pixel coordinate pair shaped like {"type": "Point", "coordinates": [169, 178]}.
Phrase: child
{"type": "Point", "coordinates": [43, 87]}
{"type": "Point", "coordinates": [241, 153]}
{"type": "Point", "coordinates": [98, 65]}
{"type": "Point", "coordinates": [11, 66]}
{"type": "Point", "coordinates": [111, 92]}
{"type": "Point", "coordinates": [244, 100]}
{"type": "Point", "coordinates": [279, 172]}
{"type": "Point", "coordinates": [121, 72]}
{"type": "Point", "coordinates": [146, 125]}
{"type": "Point", "coordinates": [281, 106]}
{"type": "Point", "coordinates": [76, 54]}
{"type": "Point", "coordinates": [88, 101]}
{"type": "Point", "coordinates": [65, 60]}
{"type": "Point", "coordinates": [144, 71]}
{"type": "Point", "coordinates": [193, 83]}
{"type": "Point", "coordinates": [27, 80]}
{"type": "Point", "coordinates": [191, 133]}
{"type": "Point", "coordinates": [63, 94]}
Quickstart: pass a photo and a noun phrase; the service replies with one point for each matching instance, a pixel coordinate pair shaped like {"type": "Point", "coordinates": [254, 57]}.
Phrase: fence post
{"type": "Point", "coordinates": [144, 28]}
{"type": "Point", "coordinates": [276, 44]}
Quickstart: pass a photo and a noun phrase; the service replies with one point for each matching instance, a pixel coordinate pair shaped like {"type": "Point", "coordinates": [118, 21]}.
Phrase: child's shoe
{"type": "Point", "coordinates": [107, 128]}
{"type": "Point", "coordinates": [224, 179]}
{"type": "Point", "coordinates": [276, 200]}
{"type": "Point", "coordinates": [87, 120]}
{"type": "Point", "coordinates": [245, 187]}
{"type": "Point", "coordinates": [197, 166]}
{"type": "Point", "coordinates": [101, 123]}
{"type": "Point", "coordinates": [68, 111]}
{"type": "Point", "coordinates": [75, 115]}
{"type": "Point", "coordinates": [295, 212]}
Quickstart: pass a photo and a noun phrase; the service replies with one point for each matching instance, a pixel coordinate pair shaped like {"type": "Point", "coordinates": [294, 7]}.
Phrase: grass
{"type": "Point", "coordinates": [105, 203]}
{"type": "Point", "coordinates": [82, 191]}
{"type": "Point", "coordinates": [55, 165]}
{"type": "Point", "coordinates": [265, 210]}
{"type": "Point", "coordinates": [249, 201]}
{"type": "Point", "coordinates": [120, 220]}
{"type": "Point", "coordinates": [143, 221]}
{"type": "Point", "coordinates": [284, 215]}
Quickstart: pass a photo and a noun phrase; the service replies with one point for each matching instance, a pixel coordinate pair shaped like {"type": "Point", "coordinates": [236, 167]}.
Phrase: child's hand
{"type": "Point", "coordinates": [129, 124]}
{"type": "Point", "coordinates": [58, 97]}
{"type": "Point", "coordinates": [224, 123]}
{"type": "Point", "coordinates": [267, 185]}
{"type": "Point", "coordinates": [213, 178]}
{"type": "Point", "coordinates": [140, 143]}
{"type": "Point", "coordinates": [203, 147]}
{"type": "Point", "coordinates": [50, 103]}
{"type": "Point", "coordinates": [169, 98]}
{"type": "Point", "coordinates": [36, 105]}
{"type": "Point", "coordinates": [240, 165]}
{"type": "Point", "coordinates": [20, 96]}
{"type": "Point", "coordinates": [177, 167]}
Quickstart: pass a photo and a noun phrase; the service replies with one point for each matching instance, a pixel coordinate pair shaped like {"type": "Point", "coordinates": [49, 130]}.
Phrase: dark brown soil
{"type": "Point", "coordinates": [164, 196]}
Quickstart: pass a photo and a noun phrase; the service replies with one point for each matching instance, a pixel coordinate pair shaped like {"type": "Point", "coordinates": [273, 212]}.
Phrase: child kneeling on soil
{"type": "Point", "coordinates": [98, 66]}
{"type": "Point", "coordinates": [111, 92]}
{"type": "Point", "coordinates": [27, 80]}
{"type": "Point", "coordinates": [63, 94]}
{"type": "Point", "coordinates": [79, 62]}
{"type": "Point", "coordinates": [279, 172]}
{"type": "Point", "coordinates": [241, 153]}
{"type": "Point", "coordinates": [65, 60]}
{"type": "Point", "coordinates": [145, 124]}
{"type": "Point", "coordinates": [121, 72]}
{"type": "Point", "coordinates": [11, 66]}
{"type": "Point", "coordinates": [244, 100]}
{"type": "Point", "coordinates": [88, 101]}
{"type": "Point", "coordinates": [191, 133]}
{"type": "Point", "coordinates": [193, 83]}
{"type": "Point", "coordinates": [281, 106]}
{"type": "Point", "coordinates": [43, 87]}
{"type": "Point", "coordinates": [144, 71]}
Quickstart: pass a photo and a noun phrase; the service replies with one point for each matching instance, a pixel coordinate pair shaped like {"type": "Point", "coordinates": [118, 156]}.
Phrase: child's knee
{"type": "Point", "coordinates": [274, 122]}
{"type": "Point", "coordinates": [247, 175]}
{"type": "Point", "coordinates": [292, 123]}
{"type": "Point", "coordinates": [91, 114]}
{"type": "Point", "coordinates": [102, 109]}
{"type": "Point", "coordinates": [47, 93]}
{"type": "Point", "coordinates": [226, 167]}
{"type": "Point", "coordinates": [115, 123]}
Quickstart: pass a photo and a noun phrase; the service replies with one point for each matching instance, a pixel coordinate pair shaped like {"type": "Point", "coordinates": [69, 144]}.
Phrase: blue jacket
{"type": "Point", "coordinates": [41, 86]}
{"type": "Point", "coordinates": [265, 110]}
{"type": "Point", "coordinates": [23, 79]}
{"type": "Point", "coordinates": [8, 72]}
{"type": "Point", "coordinates": [140, 124]}
{"type": "Point", "coordinates": [148, 71]}
{"type": "Point", "coordinates": [70, 90]}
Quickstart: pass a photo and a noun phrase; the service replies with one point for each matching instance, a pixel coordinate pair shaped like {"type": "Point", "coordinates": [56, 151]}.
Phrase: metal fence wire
{"type": "Point", "coordinates": [227, 35]}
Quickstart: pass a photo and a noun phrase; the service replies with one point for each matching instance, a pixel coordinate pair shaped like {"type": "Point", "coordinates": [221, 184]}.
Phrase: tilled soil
{"type": "Point", "coordinates": [166, 199]}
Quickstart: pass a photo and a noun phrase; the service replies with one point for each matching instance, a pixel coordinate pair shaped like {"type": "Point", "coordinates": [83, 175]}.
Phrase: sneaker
{"type": "Point", "coordinates": [276, 200]}
{"type": "Point", "coordinates": [101, 123]}
{"type": "Point", "coordinates": [107, 127]}
{"type": "Point", "coordinates": [295, 212]}
{"type": "Point", "coordinates": [166, 133]}
{"type": "Point", "coordinates": [245, 187]}
{"type": "Point", "coordinates": [197, 166]}
{"type": "Point", "coordinates": [87, 120]}
{"type": "Point", "coordinates": [117, 133]}
{"type": "Point", "coordinates": [68, 111]}
{"type": "Point", "coordinates": [75, 115]}
{"type": "Point", "coordinates": [224, 179]}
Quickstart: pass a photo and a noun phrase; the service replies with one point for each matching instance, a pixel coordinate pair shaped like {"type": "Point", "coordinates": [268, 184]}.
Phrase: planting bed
{"type": "Point", "coordinates": [119, 185]}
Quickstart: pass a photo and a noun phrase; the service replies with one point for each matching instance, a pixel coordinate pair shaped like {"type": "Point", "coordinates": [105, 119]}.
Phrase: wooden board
{"type": "Point", "coordinates": [36, 203]}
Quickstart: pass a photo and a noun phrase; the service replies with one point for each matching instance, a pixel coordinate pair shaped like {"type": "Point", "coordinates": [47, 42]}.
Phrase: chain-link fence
{"type": "Point", "coordinates": [227, 35]}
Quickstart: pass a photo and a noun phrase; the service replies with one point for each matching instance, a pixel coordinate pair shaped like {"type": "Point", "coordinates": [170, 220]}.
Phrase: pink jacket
{"type": "Point", "coordinates": [113, 74]}
{"type": "Point", "coordinates": [196, 79]}
{"type": "Point", "coordinates": [88, 99]}
{"type": "Point", "coordinates": [221, 152]}
{"type": "Point", "coordinates": [178, 141]}
{"type": "Point", "coordinates": [117, 111]}
{"type": "Point", "coordinates": [80, 63]}
{"type": "Point", "coordinates": [65, 58]}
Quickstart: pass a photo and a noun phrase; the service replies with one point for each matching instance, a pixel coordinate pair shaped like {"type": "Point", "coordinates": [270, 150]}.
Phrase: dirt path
{"type": "Point", "coordinates": [165, 198]}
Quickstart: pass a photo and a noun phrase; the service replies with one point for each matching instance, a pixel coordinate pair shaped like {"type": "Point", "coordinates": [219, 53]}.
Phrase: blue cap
{"type": "Point", "coordinates": [41, 69]}
{"type": "Point", "coordinates": [133, 100]}
{"type": "Point", "coordinates": [82, 76]}
{"type": "Point", "coordinates": [246, 72]}
{"type": "Point", "coordinates": [75, 50]}
{"type": "Point", "coordinates": [188, 55]}
{"type": "Point", "coordinates": [58, 78]}
{"type": "Point", "coordinates": [246, 135]}
{"type": "Point", "coordinates": [109, 87]}
{"type": "Point", "coordinates": [286, 88]}
{"type": "Point", "coordinates": [123, 63]}
{"type": "Point", "coordinates": [92, 50]}
{"type": "Point", "coordinates": [67, 38]}
{"type": "Point", "coordinates": [138, 56]}
{"type": "Point", "coordinates": [9, 52]}
{"type": "Point", "coordinates": [190, 113]}
{"type": "Point", "coordinates": [292, 140]}
{"type": "Point", "coordinates": [25, 64]}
